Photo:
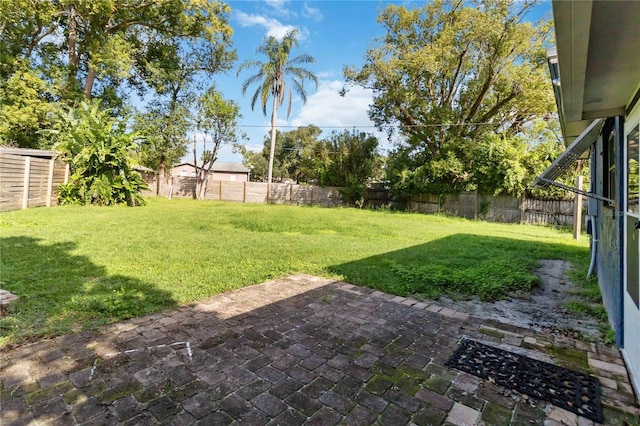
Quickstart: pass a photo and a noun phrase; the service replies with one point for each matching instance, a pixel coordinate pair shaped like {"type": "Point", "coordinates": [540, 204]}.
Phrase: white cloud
{"type": "Point", "coordinates": [312, 12]}
{"type": "Point", "coordinates": [279, 9]}
{"type": "Point", "coordinates": [330, 111]}
{"type": "Point", "coordinates": [327, 108]}
{"type": "Point", "coordinates": [274, 27]}
{"type": "Point", "coordinates": [276, 4]}
{"type": "Point", "coordinates": [323, 75]}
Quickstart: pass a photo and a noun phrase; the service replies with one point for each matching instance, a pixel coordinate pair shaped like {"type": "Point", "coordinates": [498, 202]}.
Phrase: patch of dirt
{"type": "Point", "coordinates": [543, 310]}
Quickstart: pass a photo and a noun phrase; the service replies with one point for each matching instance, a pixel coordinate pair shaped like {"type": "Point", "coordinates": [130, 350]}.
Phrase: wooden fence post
{"type": "Point", "coordinates": [523, 201]}
{"type": "Point", "coordinates": [244, 192]}
{"type": "Point", "coordinates": [25, 182]}
{"type": "Point", "coordinates": [220, 194]}
{"type": "Point", "coordinates": [577, 211]}
{"type": "Point", "coordinates": [50, 182]}
{"type": "Point", "coordinates": [475, 207]}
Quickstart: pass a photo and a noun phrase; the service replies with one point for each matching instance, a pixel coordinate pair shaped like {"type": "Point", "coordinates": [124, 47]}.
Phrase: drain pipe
{"type": "Point", "coordinates": [594, 244]}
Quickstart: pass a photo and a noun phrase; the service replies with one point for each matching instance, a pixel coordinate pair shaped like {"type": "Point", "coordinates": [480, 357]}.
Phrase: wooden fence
{"type": "Point", "coordinates": [492, 208]}
{"type": "Point", "coordinates": [29, 181]}
{"type": "Point", "coordinates": [252, 192]}
{"type": "Point", "coordinates": [32, 181]}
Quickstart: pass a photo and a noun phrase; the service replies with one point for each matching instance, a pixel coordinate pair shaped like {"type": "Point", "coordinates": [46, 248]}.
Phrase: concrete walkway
{"type": "Point", "coordinates": [299, 350]}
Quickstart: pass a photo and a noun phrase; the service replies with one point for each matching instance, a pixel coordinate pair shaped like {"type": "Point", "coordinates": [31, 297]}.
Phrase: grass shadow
{"type": "Point", "coordinates": [61, 292]}
{"type": "Point", "coordinates": [460, 265]}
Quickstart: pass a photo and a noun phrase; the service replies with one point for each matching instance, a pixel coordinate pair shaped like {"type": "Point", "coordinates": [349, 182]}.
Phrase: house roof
{"type": "Point", "coordinates": [595, 71]}
{"type": "Point", "coordinates": [220, 166]}
{"type": "Point", "coordinates": [597, 45]}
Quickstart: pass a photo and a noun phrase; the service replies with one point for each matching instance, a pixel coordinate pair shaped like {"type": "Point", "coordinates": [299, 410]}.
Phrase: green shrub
{"type": "Point", "coordinates": [97, 147]}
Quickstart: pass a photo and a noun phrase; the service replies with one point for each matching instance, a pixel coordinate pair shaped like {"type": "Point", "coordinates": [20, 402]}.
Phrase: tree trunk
{"type": "Point", "coordinates": [73, 54]}
{"type": "Point", "coordinates": [161, 173]}
{"type": "Point", "coordinates": [272, 149]}
{"type": "Point", "coordinates": [198, 183]}
{"type": "Point", "coordinates": [88, 84]}
{"type": "Point", "coordinates": [203, 187]}
{"type": "Point", "coordinates": [208, 165]}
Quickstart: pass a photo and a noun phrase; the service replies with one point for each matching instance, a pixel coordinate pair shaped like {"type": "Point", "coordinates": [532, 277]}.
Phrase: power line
{"type": "Point", "coordinates": [487, 123]}
{"type": "Point", "coordinates": [288, 126]}
{"type": "Point", "coordinates": [373, 126]}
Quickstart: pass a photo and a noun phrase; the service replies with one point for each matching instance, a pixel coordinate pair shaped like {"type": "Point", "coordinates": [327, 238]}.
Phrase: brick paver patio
{"type": "Point", "coordinates": [299, 350]}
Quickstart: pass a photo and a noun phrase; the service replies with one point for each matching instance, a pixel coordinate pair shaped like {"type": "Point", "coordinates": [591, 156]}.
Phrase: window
{"type": "Point", "coordinates": [232, 178]}
{"type": "Point", "coordinates": [609, 152]}
{"type": "Point", "coordinates": [633, 178]}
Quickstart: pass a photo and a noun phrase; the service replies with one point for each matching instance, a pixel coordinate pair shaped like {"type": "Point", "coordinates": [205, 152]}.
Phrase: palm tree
{"type": "Point", "coordinates": [272, 76]}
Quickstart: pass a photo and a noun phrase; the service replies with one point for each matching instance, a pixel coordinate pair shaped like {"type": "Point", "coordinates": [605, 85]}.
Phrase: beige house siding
{"type": "Point", "coordinates": [230, 176]}
{"type": "Point", "coordinates": [221, 172]}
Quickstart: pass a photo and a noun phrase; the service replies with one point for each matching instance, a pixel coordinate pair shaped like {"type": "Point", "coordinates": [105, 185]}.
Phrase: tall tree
{"type": "Point", "coordinates": [300, 147]}
{"type": "Point", "coordinates": [162, 131]}
{"type": "Point", "coordinates": [176, 72]}
{"type": "Point", "coordinates": [25, 29]}
{"type": "Point", "coordinates": [87, 48]}
{"type": "Point", "coordinates": [217, 119]}
{"type": "Point", "coordinates": [26, 96]}
{"type": "Point", "coordinates": [349, 159]}
{"type": "Point", "coordinates": [272, 78]}
{"type": "Point", "coordinates": [294, 155]}
{"type": "Point", "coordinates": [25, 110]}
{"type": "Point", "coordinates": [448, 73]}
{"type": "Point", "coordinates": [256, 162]}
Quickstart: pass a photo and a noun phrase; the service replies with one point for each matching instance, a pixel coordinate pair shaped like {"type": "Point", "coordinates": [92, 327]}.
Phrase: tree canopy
{"type": "Point", "coordinates": [448, 77]}
{"type": "Point", "coordinates": [217, 119]}
{"type": "Point", "coordinates": [294, 156]}
{"type": "Point", "coordinates": [64, 51]}
{"type": "Point", "coordinates": [462, 84]}
{"type": "Point", "coordinates": [348, 159]}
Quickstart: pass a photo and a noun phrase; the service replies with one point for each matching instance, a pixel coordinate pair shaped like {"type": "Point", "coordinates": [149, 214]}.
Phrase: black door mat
{"type": "Point", "coordinates": [574, 391]}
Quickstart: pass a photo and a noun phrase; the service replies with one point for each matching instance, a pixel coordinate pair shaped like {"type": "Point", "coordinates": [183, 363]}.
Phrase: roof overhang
{"type": "Point", "coordinates": [597, 45]}
{"type": "Point", "coordinates": [595, 71]}
{"type": "Point", "coordinates": [220, 167]}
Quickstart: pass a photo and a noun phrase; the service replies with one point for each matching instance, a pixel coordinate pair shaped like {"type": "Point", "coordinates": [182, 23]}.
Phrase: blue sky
{"type": "Point", "coordinates": [335, 33]}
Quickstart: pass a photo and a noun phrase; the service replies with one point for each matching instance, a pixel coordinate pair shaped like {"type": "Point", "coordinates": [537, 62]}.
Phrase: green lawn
{"type": "Point", "coordinates": [79, 267]}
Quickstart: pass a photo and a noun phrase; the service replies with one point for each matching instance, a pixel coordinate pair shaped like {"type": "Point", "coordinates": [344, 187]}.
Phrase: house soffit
{"type": "Point", "coordinates": [572, 24]}
{"type": "Point", "coordinates": [613, 64]}
{"type": "Point", "coordinates": [598, 45]}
